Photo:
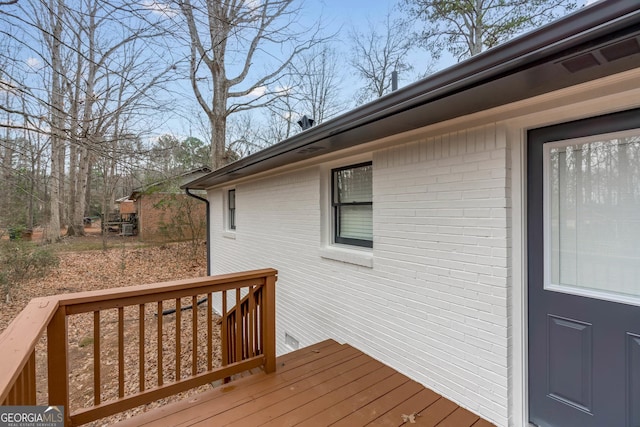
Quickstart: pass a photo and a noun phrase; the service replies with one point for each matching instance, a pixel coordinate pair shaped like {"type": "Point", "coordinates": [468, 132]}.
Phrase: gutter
{"type": "Point", "coordinates": [195, 196]}
{"type": "Point", "coordinates": [201, 300]}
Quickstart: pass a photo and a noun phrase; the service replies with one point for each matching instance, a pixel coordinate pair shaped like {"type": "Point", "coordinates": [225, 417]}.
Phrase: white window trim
{"type": "Point", "coordinates": [349, 254]}
{"type": "Point", "coordinates": [227, 231]}
{"type": "Point", "coordinates": [330, 250]}
{"type": "Point", "coordinates": [229, 235]}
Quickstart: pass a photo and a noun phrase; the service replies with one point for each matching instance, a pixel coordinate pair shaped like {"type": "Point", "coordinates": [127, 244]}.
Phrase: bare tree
{"type": "Point", "coordinates": [311, 87]}
{"type": "Point", "coordinates": [53, 36]}
{"type": "Point", "coordinates": [227, 39]}
{"type": "Point", "coordinates": [110, 80]}
{"type": "Point", "coordinates": [377, 53]}
{"type": "Point", "coordinates": [246, 135]}
{"type": "Point", "coordinates": [102, 69]}
{"type": "Point", "coordinates": [467, 27]}
{"type": "Point", "coordinates": [22, 147]}
{"type": "Point", "coordinates": [319, 88]}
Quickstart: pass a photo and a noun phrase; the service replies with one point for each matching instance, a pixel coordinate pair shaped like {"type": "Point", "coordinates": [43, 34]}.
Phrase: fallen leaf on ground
{"type": "Point", "coordinates": [411, 418]}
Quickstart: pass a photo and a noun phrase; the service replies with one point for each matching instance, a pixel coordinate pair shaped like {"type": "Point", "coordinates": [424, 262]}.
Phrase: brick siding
{"type": "Point", "coordinates": [434, 303]}
{"type": "Point", "coordinates": [161, 217]}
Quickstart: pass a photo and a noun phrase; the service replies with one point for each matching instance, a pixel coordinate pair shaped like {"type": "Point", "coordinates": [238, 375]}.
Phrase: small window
{"type": "Point", "coordinates": [231, 203]}
{"type": "Point", "coordinates": [352, 201]}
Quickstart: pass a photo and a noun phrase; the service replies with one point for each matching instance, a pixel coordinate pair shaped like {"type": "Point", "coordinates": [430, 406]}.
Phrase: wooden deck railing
{"type": "Point", "coordinates": [241, 327]}
{"type": "Point", "coordinates": [247, 335]}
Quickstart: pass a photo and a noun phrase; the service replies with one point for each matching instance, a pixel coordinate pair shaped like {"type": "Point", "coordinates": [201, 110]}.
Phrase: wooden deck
{"type": "Point", "coordinates": [324, 384]}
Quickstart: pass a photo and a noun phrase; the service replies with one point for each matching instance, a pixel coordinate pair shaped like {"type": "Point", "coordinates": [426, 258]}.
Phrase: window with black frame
{"type": "Point", "coordinates": [352, 201]}
{"type": "Point", "coordinates": [231, 202]}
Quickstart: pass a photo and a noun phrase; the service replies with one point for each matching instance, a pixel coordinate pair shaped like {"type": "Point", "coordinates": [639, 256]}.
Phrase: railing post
{"type": "Point", "coordinates": [58, 363]}
{"type": "Point", "coordinates": [270, 324]}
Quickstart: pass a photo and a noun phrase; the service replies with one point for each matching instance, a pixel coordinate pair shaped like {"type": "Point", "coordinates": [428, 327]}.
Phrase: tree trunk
{"type": "Point", "coordinates": [218, 136]}
{"type": "Point", "coordinates": [478, 30]}
{"type": "Point", "coordinates": [72, 230]}
{"type": "Point", "coordinates": [83, 127]}
{"type": "Point", "coordinates": [7, 172]}
{"type": "Point", "coordinates": [81, 192]}
{"type": "Point", "coordinates": [62, 157]}
{"type": "Point", "coordinates": [32, 189]}
{"type": "Point", "coordinates": [87, 197]}
{"type": "Point", "coordinates": [52, 231]}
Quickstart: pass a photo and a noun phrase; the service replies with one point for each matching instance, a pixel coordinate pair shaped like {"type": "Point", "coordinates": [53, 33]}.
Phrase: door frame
{"type": "Point", "coordinates": [519, 286]}
{"type": "Point", "coordinates": [592, 124]}
{"type": "Point", "coordinates": [614, 93]}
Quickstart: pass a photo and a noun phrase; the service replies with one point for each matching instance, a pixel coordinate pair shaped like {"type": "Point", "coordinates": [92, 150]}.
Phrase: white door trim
{"type": "Point", "coordinates": [519, 378]}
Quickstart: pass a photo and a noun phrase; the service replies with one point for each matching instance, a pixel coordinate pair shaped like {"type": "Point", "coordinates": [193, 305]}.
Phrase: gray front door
{"type": "Point", "coordinates": [583, 216]}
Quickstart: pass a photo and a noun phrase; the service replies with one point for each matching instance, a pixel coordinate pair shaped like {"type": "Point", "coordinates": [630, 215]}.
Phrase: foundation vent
{"type": "Point", "coordinates": [291, 342]}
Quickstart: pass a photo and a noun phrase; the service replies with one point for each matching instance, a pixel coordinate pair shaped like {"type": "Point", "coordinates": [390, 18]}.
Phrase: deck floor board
{"type": "Point", "coordinates": [413, 405]}
{"type": "Point", "coordinates": [373, 410]}
{"type": "Point", "coordinates": [324, 384]}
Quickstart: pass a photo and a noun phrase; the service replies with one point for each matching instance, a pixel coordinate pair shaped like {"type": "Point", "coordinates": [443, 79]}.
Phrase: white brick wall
{"type": "Point", "coordinates": [434, 305]}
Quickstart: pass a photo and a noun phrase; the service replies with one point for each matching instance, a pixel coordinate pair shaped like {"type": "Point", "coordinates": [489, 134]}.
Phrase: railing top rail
{"type": "Point", "coordinates": [162, 287]}
{"type": "Point", "coordinates": [19, 340]}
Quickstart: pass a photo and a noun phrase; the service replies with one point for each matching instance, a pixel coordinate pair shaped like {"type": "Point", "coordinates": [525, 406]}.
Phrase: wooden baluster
{"type": "Point", "coordinates": [25, 384]}
{"type": "Point", "coordinates": [194, 331]}
{"type": "Point", "coordinates": [178, 336]}
{"type": "Point", "coordinates": [224, 333]}
{"type": "Point", "coordinates": [120, 352]}
{"type": "Point", "coordinates": [209, 331]}
{"type": "Point", "coordinates": [31, 379]}
{"type": "Point", "coordinates": [245, 328]}
{"type": "Point", "coordinates": [160, 356]}
{"type": "Point", "coordinates": [19, 387]}
{"type": "Point", "coordinates": [232, 337]}
{"type": "Point", "coordinates": [11, 399]}
{"type": "Point", "coordinates": [251, 347]}
{"type": "Point", "coordinates": [16, 390]}
{"type": "Point", "coordinates": [238, 329]}
{"type": "Point", "coordinates": [259, 321]}
{"type": "Point", "coordinates": [141, 355]}
{"type": "Point", "coordinates": [97, 388]}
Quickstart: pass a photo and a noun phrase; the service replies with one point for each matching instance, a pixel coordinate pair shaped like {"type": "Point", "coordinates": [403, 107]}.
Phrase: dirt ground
{"type": "Point", "coordinates": [125, 263]}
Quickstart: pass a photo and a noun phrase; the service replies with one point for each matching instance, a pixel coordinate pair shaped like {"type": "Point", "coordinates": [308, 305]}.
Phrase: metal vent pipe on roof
{"type": "Point", "coordinates": [305, 122]}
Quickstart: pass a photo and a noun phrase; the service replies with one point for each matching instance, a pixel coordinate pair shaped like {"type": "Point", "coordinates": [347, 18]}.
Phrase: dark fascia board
{"type": "Point", "coordinates": [529, 65]}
